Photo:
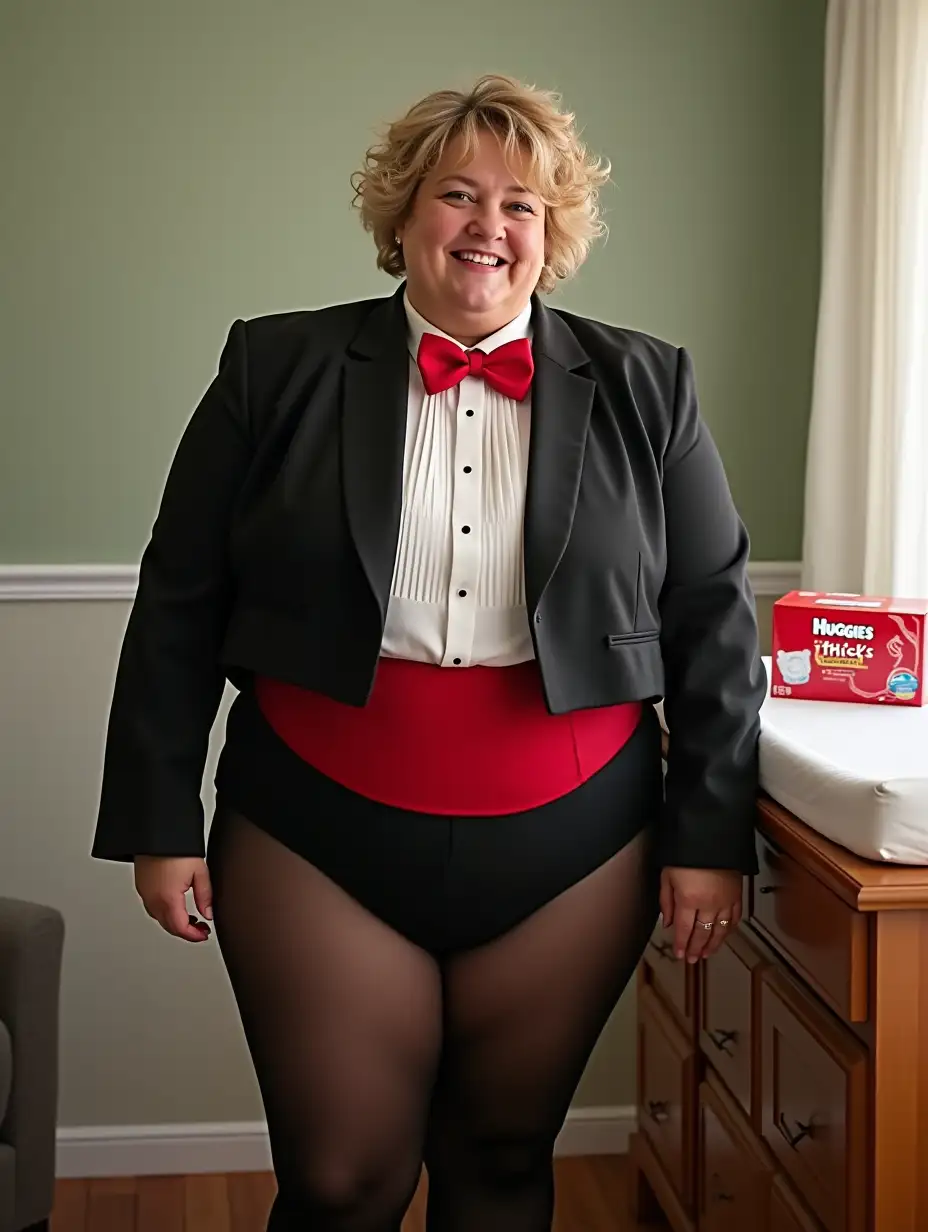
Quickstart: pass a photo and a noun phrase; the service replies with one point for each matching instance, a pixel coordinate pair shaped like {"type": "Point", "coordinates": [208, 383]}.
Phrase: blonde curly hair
{"type": "Point", "coordinates": [528, 121]}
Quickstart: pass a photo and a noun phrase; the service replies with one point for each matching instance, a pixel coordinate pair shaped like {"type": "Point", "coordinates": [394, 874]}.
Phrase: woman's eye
{"type": "Point", "coordinates": [457, 194]}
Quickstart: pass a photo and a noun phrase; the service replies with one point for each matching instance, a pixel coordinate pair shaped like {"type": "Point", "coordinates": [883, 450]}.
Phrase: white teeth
{"type": "Point", "coordinates": [478, 258]}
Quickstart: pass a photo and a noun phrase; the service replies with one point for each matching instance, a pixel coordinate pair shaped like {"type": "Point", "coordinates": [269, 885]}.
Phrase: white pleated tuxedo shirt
{"type": "Point", "coordinates": [458, 592]}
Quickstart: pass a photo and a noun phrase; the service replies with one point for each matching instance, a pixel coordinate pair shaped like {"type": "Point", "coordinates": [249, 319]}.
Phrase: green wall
{"type": "Point", "coordinates": [169, 166]}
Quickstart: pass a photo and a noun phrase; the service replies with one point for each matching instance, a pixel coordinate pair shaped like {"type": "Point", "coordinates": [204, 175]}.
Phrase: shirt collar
{"type": "Point", "coordinates": [521, 327]}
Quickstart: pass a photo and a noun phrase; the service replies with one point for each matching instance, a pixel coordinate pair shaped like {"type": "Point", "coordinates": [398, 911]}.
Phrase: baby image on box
{"type": "Point", "coordinates": [795, 666]}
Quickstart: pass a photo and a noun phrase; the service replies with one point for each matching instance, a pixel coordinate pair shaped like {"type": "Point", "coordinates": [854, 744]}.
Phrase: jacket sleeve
{"type": "Point", "coordinates": [169, 682]}
{"type": "Point", "coordinates": [715, 682]}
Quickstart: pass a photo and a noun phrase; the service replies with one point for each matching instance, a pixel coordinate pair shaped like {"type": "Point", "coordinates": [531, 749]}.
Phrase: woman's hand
{"type": "Point", "coordinates": [693, 897]}
{"type": "Point", "coordinates": [162, 883]}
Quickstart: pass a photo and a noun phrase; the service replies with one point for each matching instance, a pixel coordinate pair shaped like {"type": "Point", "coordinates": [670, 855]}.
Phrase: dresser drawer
{"type": "Point", "coordinates": [787, 1213]}
{"type": "Point", "coordinates": [814, 1084]}
{"type": "Point", "coordinates": [734, 1178]}
{"type": "Point", "coordinates": [726, 1014]}
{"type": "Point", "coordinates": [821, 936]}
{"type": "Point", "coordinates": [674, 978]}
{"type": "Point", "coordinates": [666, 1087]}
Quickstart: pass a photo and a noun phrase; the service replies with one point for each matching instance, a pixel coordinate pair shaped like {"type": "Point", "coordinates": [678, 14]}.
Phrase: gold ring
{"type": "Point", "coordinates": [724, 923]}
{"type": "Point", "coordinates": [704, 924]}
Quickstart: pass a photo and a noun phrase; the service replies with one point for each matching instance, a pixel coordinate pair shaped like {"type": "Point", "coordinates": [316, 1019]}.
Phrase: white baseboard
{"type": "Point", "coordinates": [162, 1150]}
{"type": "Point", "coordinates": [597, 1131]}
{"type": "Point", "coordinates": [48, 583]}
{"type": "Point", "coordinates": [181, 1150]}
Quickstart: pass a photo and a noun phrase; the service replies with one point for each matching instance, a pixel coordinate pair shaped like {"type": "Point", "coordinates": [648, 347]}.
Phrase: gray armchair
{"type": "Point", "coordinates": [31, 948]}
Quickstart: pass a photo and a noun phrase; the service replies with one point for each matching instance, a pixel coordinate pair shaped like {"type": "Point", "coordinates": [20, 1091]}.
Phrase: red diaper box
{"type": "Point", "coordinates": [849, 648]}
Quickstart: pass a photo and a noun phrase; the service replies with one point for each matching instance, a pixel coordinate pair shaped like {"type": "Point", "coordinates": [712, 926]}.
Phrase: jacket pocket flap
{"type": "Point", "coordinates": [631, 639]}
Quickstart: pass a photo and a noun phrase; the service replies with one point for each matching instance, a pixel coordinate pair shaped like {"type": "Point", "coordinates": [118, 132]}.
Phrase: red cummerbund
{"type": "Point", "coordinates": [474, 741]}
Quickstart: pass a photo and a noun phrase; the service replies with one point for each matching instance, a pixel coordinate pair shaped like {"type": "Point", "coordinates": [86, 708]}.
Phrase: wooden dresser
{"type": "Point", "coordinates": [783, 1083]}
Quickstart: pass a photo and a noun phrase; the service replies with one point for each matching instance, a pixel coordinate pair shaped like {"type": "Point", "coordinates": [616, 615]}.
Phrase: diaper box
{"type": "Point", "coordinates": [849, 648]}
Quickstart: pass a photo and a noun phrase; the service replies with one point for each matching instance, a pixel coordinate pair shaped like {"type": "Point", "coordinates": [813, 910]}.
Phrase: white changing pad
{"type": "Point", "coordinates": [857, 774]}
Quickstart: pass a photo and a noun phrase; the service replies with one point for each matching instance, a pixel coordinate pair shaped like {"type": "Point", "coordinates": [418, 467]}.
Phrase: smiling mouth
{"type": "Point", "coordinates": [479, 259]}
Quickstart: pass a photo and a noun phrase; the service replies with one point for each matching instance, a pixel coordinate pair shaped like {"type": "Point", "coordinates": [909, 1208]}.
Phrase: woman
{"type": "Point", "coordinates": [450, 546]}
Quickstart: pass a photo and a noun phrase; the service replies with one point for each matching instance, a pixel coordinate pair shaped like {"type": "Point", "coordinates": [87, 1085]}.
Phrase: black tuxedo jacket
{"type": "Point", "coordinates": [274, 546]}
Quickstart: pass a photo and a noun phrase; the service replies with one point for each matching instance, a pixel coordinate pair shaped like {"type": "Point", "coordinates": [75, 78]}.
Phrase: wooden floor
{"type": "Point", "coordinates": [591, 1197]}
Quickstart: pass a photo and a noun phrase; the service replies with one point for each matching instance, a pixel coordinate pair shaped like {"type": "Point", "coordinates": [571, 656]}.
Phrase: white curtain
{"type": "Point", "coordinates": [866, 501]}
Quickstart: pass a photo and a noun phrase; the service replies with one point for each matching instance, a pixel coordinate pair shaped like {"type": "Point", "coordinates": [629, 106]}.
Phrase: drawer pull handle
{"type": "Point", "coordinates": [766, 889]}
{"type": "Point", "coordinates": [663, 948]}
{"type": "Point", "coordinates": [722, 1039]}
{"type": "Point", "coordinates": [719, 1195]}
{"type": "Point", "coordinates": [802, 1131]}
{"type": "Point", "coordinates": [657, 1109]}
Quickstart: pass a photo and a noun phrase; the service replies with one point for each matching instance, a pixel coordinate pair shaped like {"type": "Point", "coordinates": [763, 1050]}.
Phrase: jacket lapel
{"type": "Point", "coordinates": [561, 405]}
{"type": "Point", "coordinates": [373, 426]}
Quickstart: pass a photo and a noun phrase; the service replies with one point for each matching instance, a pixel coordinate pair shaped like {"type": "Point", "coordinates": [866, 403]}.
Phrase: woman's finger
{"type": "Point", "coordinates": [176, 921]}
{"type": "Point", "coordinates": [683, 918]}
{"type": "Point", "coordinates": [666, 901]}
{"type": "Point", "coordinates": [725, 922]}
{"type": "Point", "coordinates": [703, 928]}
{"type": "Point", "coordinates": [203, 892]}
{"type": "Point", "coordinates": [719, 934]}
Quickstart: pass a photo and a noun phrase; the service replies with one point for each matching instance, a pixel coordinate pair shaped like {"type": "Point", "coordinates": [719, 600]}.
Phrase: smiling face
{"type": "Point", "coordinates": [474, 242]}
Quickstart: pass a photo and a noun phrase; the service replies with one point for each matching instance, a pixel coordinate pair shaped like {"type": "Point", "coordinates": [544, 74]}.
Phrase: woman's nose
{"type": "Point", "coordinates": [489, 224]}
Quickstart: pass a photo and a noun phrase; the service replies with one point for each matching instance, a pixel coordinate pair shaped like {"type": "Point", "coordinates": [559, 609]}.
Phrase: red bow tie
{"type": "Point", "coordinates": [508, 369]}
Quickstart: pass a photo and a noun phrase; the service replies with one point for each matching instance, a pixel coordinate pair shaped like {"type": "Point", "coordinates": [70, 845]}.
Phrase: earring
{"type": "Point", "coordinates": [398, 241]}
